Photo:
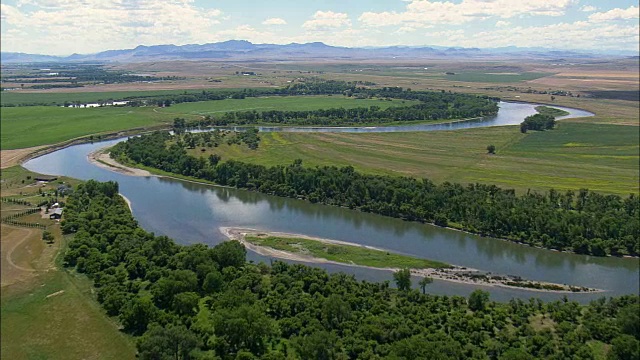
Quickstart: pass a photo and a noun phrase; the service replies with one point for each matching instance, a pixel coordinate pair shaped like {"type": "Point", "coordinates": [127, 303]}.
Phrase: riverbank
{"type": "Point", "coordinates": [457, 274]}
{"type": "Point", "coordinates": [101, 158]}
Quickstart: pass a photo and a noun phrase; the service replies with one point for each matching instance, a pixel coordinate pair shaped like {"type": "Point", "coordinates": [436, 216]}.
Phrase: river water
{"type": "Point", "coordinates": [192, 213]}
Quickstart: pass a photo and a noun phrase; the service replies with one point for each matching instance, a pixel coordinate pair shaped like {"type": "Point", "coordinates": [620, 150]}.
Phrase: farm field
{"type": "Point", "coordinates": [293, 103]}
{"type": "Point", "coordinates": [39, 125]}
{"type": "Point", "coordinates": [18, 98]}
{"type": "Point", "coordinates": [599, 157]}
{"type": "Point", "coordinates": [47, 312]}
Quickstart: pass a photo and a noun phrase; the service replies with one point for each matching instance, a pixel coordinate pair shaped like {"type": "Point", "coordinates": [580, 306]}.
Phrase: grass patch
{"type": "Point", "coordinates": [292, 103]}
{"type": "Point", "coordinates": [59, 98]}
{"type": "Point", "coordinates": [608, 162]}
{"type": "Point", "coordinates": [600, 349]}
{"type": "Point", "coordinates": [546, 110]}
{"type": "Point", "coordinates": [70, 325]}
{"type": "Point", "coordinates": [345, 254]}
{"type": "Point", "coordinates": [39, 125]}
{"type": "Point", "coordinates": [483, 77]}
{"type": "Point", "coordinates": [29, 126]}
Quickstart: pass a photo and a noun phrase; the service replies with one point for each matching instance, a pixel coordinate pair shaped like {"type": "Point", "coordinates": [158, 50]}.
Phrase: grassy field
{"type": "Point", "coordinates": [484, 77]}
{"type": "Point", "coordinates": [545, 110]}
{"type": "Point", "coordinates": [47, 312]}
{"type": "Point", "coordinates": [39, 125]}
{"type": "Point", "coordinates": [70, 325]}
{"type": "Point", "coordinates": [58, 98]}
{"type": "Point", "coordinates": [599, 157]}
{"type": "Point", "coordinates": [345, 254]}
{"type": "Point", "coordinates": [280, 103]}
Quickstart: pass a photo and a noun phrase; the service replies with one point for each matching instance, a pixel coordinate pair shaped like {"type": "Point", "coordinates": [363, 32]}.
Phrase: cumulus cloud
{"type": "Point", "coordinates": [274, 21]}
{"type": "Point", "coordinates": [425, 12]}
{"type": "Point", "coordinates": [616, 14]}
{"type": "Point", "coordinates": [576, 35]}
{"type": "Point", "coordinates": [502, 23]}
{"type": "Point", "coordinates": [327, 20]}
{"type": "Point", "coordinates": [588, 8]}
{"type": "Point", "coordinates": [92, 26]}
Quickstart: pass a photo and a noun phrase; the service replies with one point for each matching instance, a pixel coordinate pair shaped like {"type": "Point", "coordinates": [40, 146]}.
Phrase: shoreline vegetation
{"type": "Point", "coordinates": [298, 247]}
{"type": "Point", "coordinates": [101, 158]}
{"type": "Point", "coordinates": [165, 293]}
{"type": "Point", "coordinates": [553, 220]}
{"type": "Point", "coordinates": [552, 111]}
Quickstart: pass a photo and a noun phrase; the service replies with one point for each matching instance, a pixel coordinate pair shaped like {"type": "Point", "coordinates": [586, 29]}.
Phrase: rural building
{"type": "Point", "coordinates": [45, 178]}
{"type": "Point", "coordinates": [56, 214]}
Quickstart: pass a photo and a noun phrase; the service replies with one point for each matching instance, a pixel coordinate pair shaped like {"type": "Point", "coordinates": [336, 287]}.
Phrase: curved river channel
{"type": "Point", "coordinates": [192, 213]}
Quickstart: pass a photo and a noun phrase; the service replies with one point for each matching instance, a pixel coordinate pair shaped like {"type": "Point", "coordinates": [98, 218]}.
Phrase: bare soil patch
{"type": "Point", "coordinates": [13, 157]}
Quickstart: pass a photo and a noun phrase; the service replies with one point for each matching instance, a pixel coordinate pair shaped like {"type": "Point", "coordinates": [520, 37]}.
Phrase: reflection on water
{"type": "Point", "coordinates": [511, 113]}
{"type": "Point", "coordinates": [192, 213]}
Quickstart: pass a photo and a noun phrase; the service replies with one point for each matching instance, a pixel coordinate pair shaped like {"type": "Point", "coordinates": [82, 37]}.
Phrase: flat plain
{"type": "Point", "coordinates": [28, 126]}
{"type": "Point", "coordinates": [47, 312]}
{"type": "Point", "coordinates": [600, 157]}
{"type": "Point", "coordinates": [50, 313]}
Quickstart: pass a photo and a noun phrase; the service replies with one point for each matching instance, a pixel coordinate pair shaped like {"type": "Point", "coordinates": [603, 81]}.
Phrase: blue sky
{"type": "Point", "coordinates": [62, 27]}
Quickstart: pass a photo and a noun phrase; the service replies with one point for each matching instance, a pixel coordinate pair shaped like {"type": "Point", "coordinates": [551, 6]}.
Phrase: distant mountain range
{"type": "Point", "coordinates": [245, 50]}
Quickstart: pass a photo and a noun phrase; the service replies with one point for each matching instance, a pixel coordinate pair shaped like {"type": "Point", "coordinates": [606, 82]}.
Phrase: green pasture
{"type": "Point", "coordinates": [59, 98]}
{"type": "Point", "coordinates": [40, 125]}
{"type": "Point", "coordinates": [346, 254]}
{"type": "Point", "coordinates": [600, 157]}
{"type": "Point", "coordinates": [293, 103]}
{"type": "Point", "coordinates": [484, 77]}
{"type": "Point", "coordinates": [67, 325]}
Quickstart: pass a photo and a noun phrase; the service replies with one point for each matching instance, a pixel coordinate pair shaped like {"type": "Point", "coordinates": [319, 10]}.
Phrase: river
{"type": "Point", "coordinates": [192, 213]}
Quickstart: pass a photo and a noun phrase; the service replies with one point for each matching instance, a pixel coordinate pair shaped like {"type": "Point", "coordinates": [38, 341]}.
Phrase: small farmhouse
{"type": "Point", "coordinates": [56, 214]}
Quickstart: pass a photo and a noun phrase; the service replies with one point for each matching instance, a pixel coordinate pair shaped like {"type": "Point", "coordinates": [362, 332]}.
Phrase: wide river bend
{"type": "Point", "coordinates": [193, 213]}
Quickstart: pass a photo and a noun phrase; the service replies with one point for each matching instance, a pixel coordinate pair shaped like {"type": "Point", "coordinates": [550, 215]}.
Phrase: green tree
{"type": "Point", "coordinates": [170, 343]}
{"type": "Point", "coordinates": [424, 282]}
{"type": "Point", "coordinates": [320, 345]}
{"type": "Point", "coordinates": [478, 300]}
{"type": "Point", "coordinates": [491, 149]}
{"type": "Point", "coordinates": [136, 315]}
{"type": "Point", "coordinates": [402, 278]}
{"type": "Point", "coordinates": [628, 320]}
{"type": "Point", "coordinates": [624, 347]}
{"type": "Point", "coordinates": [245, 327]}
{"type": "Point", "coordinates": [47, 236]}
{"type": "Point", "coordinates": [230, 253]}
{"type": "Point", "coordinates": [335, 311]}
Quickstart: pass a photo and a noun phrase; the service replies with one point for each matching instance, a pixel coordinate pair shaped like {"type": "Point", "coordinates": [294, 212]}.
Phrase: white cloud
{"type": "Point", "coordinates": [424, 12]}
{"type": "Point", "coordinates": [588, 8]}
{"type": "Point", "coordinates": [616, 14]}
{"type": "Point", "coordinates": [95, 25]}
{"type": "Point", "coordinates": [274, 21]}
{"type": "Point", "coordinates": [326, 20]}
{"type": "Point", "coordinates": [502, 23]}
{"type": "Point", "coordinates": [406, 30]}
{"type": "Point", "coordinates": [576, 35]}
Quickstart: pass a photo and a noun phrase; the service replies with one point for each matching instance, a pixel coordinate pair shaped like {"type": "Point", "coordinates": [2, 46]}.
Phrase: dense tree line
{"type": "Point", "coordinates": [214, 138]}
{"type": "Point", "coordinates": [196, 302]}
{"type": "Point", "coordinates": [440, 106]}
{"type": "Point", "coordinates": [433, 105]}
{"type": "Point", "coordinates": [538, 122]}
{"type": "Point", "coordinates": [584, 222]}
